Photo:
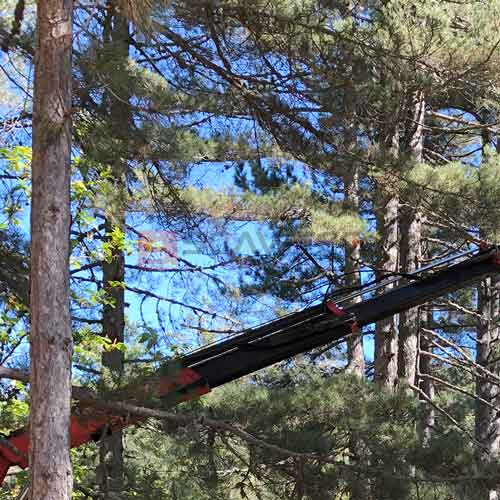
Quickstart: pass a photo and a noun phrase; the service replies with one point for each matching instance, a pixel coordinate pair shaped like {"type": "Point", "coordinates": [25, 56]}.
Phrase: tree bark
{"type": "Point", "coordinates": [387, 213]}
{"type": "Point", "coordinates": [355, 351]}
{"type": "Point", "coordinates": [386, 346]}
{"type": "Point", "coordinates": [113, 319]}
{"type": "Point", "coordinates": [111, 449]}
{"type": "Point", "coordinates": [411, 236]}
{"type": "Point", "coordinates": [50, 336]}
{"type": "Point", "coordinates": [358, 489]}
{"type": "Point", "coordinates": [487, 420]}
{"type": "Point", "coordinates": [426, 384]}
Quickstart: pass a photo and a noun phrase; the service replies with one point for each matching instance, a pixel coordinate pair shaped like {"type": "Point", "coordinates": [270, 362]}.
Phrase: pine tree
{"type": "Point", "coordinates": [387, 212]}
{"type": "Point", "coordinates": [487, 421]}
{"type": "Point", "coordinates": [113, 268]}
{"type": "Point", "coordinates": [411, 235]}
{"type": "Point", "coordinates": [51, 339]}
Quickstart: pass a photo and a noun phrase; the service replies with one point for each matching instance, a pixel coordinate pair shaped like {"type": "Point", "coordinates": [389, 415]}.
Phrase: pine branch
{"type": "Point", "coordinates": [461, 363]}
{"type": "Point", "coordinates": [16, 26]}
{"type": "Point", "coordinates": [446, 414]}
{"type": "Point", "coordinates": [196, 309]}
{"type": "Point", "coordinates": [457, 389]}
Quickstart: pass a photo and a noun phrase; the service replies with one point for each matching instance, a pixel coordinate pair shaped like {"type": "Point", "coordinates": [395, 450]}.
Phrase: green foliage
{"type": "Point", "coordinates": [317, 220]}
{"type": "Point", "coordinates": [14, 412]}
{"type": "Point", "coordinates": [306, 412]}
{"type": "Point", "coordinates": [15, 164]}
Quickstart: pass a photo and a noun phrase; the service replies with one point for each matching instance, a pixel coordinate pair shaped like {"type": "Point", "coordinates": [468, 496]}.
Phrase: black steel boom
{"type": "Point", "coordinates": [317, 326]}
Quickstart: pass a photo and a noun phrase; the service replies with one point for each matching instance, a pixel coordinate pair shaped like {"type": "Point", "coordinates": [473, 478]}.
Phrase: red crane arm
{"type": "Point", "coordinates": [89, 424]}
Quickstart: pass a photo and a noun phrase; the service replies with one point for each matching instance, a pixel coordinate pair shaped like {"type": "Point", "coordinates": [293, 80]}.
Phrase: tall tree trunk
{"type": "Point", "coordinates": [487, 419]}
{"type": "Point", "coordinates": [113, 270]}
{"type": "Point", "coordinates": [358, 487]}
{"type": "Point", "coordinates": [387, 212]}
{"type": "Point", "coordinates": [50, 336]}
{"type": "Point", "coordinates": [411, 235]}
{"type": "Point", "coordinates": [487, 423]}
{"type": "Point", "coordinates": [113, 320]}
{"type": "Point", "coordinates": [355, 351]}
{"type": "Point", "coordinates": [386, 357]}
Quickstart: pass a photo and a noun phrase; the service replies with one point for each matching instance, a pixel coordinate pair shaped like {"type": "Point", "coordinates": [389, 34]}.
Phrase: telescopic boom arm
{"type": "Point", "coordinates": [197, 373]}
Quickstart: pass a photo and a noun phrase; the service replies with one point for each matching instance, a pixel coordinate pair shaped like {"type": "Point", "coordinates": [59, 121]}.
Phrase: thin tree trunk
{"type": "Point", "coordinates": [358, 488]}
{"type": "Point", "coordinates": [387, 214]}
{"type": "Point", "coordinates": [355, 351]}
{"type": "Point", "coordinates": [386, 357]}
{"type": "Point", "coordinates": [50, 336]}
{"type": "Point", "coordinates": [426, 384]}
{"type": "Point", "coordinates": [487, 422]}
{"type": "Point", "coordinates": [113, 320]}
{"type": "Point", "coordinates": [411, 236]}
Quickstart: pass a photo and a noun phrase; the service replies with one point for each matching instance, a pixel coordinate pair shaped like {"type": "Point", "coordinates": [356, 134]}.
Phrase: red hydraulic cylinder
{"type": "Point", "coordinates": [86, 427]}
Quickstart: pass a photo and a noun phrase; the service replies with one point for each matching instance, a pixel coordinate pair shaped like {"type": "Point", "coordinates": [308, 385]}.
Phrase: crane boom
{"type": "Point", "coordinates": [198, 372]}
